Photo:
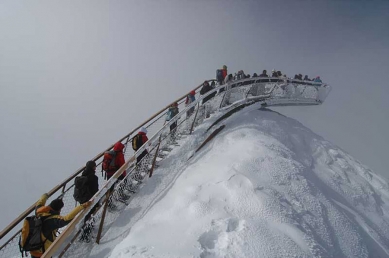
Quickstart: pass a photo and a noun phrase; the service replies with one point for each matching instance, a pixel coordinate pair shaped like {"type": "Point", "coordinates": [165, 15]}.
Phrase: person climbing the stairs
{"type": "Point", "coordinates": [172, 112]}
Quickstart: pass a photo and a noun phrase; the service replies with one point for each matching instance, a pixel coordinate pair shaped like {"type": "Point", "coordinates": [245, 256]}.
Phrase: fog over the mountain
{"type": "Point", "coordinates": [75, 76]}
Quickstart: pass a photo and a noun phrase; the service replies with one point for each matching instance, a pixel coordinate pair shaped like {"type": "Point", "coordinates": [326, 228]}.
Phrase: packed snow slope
{"type": "Point", "coordinates": [265, 186]}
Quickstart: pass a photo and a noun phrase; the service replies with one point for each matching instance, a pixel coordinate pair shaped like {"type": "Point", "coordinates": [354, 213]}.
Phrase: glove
{"type": "Point", "coordinates": [87, 204]}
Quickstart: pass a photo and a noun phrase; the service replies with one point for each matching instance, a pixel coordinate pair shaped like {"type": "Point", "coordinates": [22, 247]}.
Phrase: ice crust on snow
{"type": "Point", "coordinates": [265, 186]}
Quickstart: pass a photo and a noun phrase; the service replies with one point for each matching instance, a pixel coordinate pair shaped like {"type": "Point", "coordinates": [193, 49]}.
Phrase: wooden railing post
{"type": "Point", "coordinates": [194, 120]}
{"type": "Point", "coordinates": [103, 216]}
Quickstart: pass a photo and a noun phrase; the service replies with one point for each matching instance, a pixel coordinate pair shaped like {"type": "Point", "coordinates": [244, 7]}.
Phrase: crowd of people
{"type": "Point", "coordinates": [222, 76]}
{"type": "Point", "coordinates": [86, 185]}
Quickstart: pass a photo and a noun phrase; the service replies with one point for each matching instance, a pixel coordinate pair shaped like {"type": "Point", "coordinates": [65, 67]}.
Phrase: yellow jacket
{"type": "Point", "coordinates": [53, 222]}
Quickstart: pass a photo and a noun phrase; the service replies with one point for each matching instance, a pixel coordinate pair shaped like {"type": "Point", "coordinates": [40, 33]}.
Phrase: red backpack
{"type": "Point", "coordinates": [109, 164]}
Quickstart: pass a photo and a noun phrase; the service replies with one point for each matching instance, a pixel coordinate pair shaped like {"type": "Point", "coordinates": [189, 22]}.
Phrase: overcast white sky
{"type": "Point", "coordinates": [77, 75]}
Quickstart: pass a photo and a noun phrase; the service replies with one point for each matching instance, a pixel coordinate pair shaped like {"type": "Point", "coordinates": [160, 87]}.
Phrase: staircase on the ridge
{"type": "Point", "coordinates": [161, 143]}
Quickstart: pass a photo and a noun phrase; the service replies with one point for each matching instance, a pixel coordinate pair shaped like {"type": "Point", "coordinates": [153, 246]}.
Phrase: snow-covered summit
{"type": "Point", "coordinates": [265, 186]}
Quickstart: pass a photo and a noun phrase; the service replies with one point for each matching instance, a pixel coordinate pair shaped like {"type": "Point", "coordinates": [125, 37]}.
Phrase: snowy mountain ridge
{"type": "Point", "coordinates": [265, 186]}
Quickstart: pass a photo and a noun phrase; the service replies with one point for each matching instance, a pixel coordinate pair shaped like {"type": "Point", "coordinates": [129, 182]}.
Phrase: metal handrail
{"type": "Point", "coordinates": [24, 214]}
{"type": "Point", "coordinates": [157, 135]}
{"type": "Point", "coordinates": [71, 226]}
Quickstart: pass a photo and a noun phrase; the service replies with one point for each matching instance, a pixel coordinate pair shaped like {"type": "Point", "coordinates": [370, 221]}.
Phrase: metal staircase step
{"type": "Point", "coordinates": [162, 155]}
{"type": "Point", "coordinates": [166, 148]}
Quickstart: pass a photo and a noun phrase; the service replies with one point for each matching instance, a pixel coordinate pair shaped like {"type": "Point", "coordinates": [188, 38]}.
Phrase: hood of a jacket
{"type": "Point", "coordinates": [88, 172]}
{"type": "Point", "coordinates": [46, 211]}
{"type": "Point", "coordinates": [118, 146]}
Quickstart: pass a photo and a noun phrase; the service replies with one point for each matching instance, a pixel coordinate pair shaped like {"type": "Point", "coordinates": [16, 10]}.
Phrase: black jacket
{"type": "Point", "coordinates": [92, 183]}
{"type": "Point", "coordinates": [204, 90]}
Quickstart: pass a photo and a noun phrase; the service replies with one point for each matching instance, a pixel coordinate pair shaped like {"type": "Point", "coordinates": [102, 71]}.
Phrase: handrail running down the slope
{"type": "Point", "coordinates": [272, 91]}
{"type": "Point", "coordinates": [63, 184]}
{"type": "Point", "coordinates": [158, 135]}
{"type": "Point", "coordinates": [98, 156]}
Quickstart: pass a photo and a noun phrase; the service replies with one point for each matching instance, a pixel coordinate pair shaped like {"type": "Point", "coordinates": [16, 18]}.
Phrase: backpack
{"type": "Point", "coordinates": [219, 75]}
{"type": "Point", "coordinates": [137, 142]}
{"type": "Point", "coordinates": [30, 238]}
{"type": "Point", "coordinates": [108, 164]}
{"type": "Point", "coordinates": [175, 111]}
{"type": "Point", "coordinates": [81, 190]}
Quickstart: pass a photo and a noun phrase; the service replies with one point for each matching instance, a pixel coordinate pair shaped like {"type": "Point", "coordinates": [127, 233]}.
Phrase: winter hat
{"type": "Point", "coordinates": [56, 204]}
{"type": "Point", "coordinates": [143, 130]}
{"type": "Point", "coordinates": [90, 164]}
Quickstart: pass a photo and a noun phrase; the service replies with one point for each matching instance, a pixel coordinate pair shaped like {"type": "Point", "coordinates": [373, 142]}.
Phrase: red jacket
{"type": "Point", "coordinates": [224, 73]}
{"type": "Point", "coordinates": [119, 158]}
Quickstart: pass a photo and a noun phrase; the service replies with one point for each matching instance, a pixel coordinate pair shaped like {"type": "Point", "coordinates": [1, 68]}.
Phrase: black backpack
{"type": "Point", "coordinates": [219, 75]}
{"type": "Point", "coordinates": [137, 142]}
{"type": "Point", "coordinates": [81, 190]}
{"type": "Point", "coordinates": [30, 238]}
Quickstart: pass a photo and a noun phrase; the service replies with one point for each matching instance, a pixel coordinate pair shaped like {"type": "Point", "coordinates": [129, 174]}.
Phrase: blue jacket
{"type": "Point", "coordinates": [189, 99]}
{"type": "Point", "coordinates": [171, 113]}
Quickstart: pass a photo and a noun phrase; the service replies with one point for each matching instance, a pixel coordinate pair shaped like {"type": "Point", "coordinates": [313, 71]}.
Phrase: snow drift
{"type": "Point", "coordinates": [265, 186]}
